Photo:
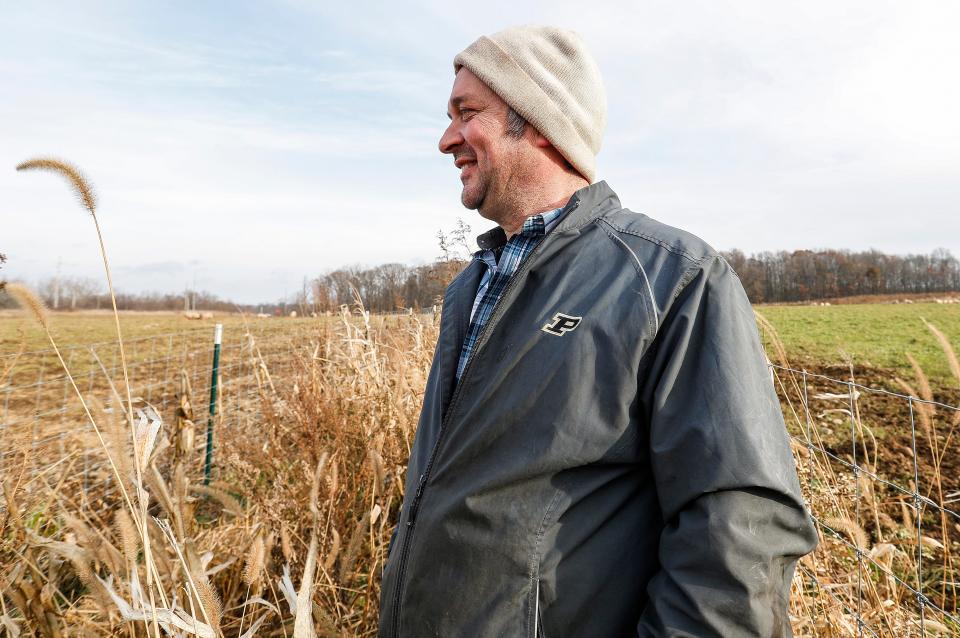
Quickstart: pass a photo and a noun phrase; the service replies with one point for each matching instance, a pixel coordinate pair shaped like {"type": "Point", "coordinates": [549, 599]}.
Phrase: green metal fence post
{"type": "Point", "coordinates": [215, 375]}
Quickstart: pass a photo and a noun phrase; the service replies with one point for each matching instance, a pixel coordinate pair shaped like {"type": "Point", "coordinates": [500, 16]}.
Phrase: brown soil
{"type": "Point", "coordinates": [888, 419]}
{"type": "Point", "coordinates": [887, 439]}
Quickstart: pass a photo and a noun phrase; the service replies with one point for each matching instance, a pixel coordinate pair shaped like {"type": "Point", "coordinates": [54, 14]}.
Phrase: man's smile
{"type": "Point", "coordinates": [464, 164]}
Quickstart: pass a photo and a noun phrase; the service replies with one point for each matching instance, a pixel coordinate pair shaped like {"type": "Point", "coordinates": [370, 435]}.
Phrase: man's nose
{"type": "Point", "coordinates": [450, 139]}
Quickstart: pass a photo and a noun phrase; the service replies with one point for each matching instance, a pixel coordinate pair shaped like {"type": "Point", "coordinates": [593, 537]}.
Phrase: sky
{"type": "Point", "coordinates": [238, 148]}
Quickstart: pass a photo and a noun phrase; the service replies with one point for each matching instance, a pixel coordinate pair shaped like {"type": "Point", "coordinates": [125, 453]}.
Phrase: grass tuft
{"type": "Point", "coordinates": [81, 186]}
{"type": "Point", "coordinates": [30, 302]}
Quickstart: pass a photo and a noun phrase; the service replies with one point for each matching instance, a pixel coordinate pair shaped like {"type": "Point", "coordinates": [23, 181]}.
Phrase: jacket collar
{"type": "Point", "coordinates": [454, 321]}
{"type": "Point", "coordinates": [584, 206]}
{"type": "Point", "coordinates": [587, 204]}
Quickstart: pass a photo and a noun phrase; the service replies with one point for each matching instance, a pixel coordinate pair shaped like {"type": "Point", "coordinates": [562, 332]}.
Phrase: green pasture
{"type": "Point", "coordinates": [877, 335]}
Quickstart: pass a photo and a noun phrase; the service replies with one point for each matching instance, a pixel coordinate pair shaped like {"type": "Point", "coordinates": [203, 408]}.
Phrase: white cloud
{"type": "Point", "coordinates": [257, 148]}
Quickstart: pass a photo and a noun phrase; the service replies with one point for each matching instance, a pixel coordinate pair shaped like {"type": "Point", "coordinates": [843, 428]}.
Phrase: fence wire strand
{"type": "Point", "coordinates": [36, 395]}
{"type": "Point", "coordinates": [865, 479]}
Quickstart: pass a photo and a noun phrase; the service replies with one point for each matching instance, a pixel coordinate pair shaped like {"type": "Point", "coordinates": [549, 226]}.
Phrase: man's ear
{"type": "Point", "coordinates": [539, 140]}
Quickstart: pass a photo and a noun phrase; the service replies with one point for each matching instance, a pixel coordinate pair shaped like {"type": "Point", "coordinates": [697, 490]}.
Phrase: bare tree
{"type": "Point", "coordinates": [803, 275]}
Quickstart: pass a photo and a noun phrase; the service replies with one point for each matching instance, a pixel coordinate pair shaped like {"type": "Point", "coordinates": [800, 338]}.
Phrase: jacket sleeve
{"type": "Point", "coordinates": [734, 523]}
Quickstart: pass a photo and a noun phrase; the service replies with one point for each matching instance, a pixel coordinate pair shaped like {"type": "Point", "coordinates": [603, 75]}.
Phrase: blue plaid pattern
{"type": "Point", "coordinates": [498, 274]}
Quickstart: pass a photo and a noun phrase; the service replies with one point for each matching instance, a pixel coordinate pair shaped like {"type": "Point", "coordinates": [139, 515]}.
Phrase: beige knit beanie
{"type": "Point", "coordinates": [546, 75]}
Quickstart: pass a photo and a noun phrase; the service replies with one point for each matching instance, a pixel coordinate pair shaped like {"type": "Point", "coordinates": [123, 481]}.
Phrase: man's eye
{"type": "Point", "coordinates": [466, 113]}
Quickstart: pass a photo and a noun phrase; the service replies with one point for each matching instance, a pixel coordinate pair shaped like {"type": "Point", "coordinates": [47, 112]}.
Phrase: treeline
{"type": "Point", "coordinates": [390, 287]}
{"type": "Point", "coordinates": [69, 293]}
{"type": "Point", "coordinates": [770, 277]}
{"type": "Point", "coordinates": [384, 288]}
{"type": "Point", "coordinates": [801, 275]}
{"type": "Point", "coordinates": [805, 275]}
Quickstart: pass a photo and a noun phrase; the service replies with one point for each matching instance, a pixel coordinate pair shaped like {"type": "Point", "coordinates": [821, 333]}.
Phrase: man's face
{"type": "Point", "coordinates": [486, 155]}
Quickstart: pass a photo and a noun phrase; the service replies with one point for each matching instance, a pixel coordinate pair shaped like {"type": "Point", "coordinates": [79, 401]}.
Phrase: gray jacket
{"type": "Point", "coordinates": [630, 476]}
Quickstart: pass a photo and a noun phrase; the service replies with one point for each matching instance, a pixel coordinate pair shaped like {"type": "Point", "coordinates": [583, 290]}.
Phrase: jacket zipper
{"type": "Point", "coordinates": [536, 612]}
{"type": "Point", "coordinates": [425, 476]}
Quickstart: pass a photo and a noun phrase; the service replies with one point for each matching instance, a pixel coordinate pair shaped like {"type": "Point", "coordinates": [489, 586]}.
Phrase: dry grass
{"type": "Point", "coordinates": [230, 558]}
{"type": "Point", "coordinates": [234, 555]}
{"type": "Point", "coordinates": [80, 185]}
{"type": "Point", "coordinates": [292, 537]}
{"type": "Point", "coordinates": [882, 507]}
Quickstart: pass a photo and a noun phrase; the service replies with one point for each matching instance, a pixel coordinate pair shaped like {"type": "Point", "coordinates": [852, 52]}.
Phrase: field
{"type": "Point", "coordinates": [85, 328]}
{"type": "Point", "coordinates": [313, 423]}
{"type": "Point", "coordinates": [876, 335]}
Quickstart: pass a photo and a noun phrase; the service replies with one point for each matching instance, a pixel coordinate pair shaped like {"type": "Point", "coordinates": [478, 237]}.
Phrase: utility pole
{"type": "Point", "coordinates": [304, 297]}
{"type": "Point", "coordinates": [56, 286]}
{"type": "Point", "coordinates": [194, 287]}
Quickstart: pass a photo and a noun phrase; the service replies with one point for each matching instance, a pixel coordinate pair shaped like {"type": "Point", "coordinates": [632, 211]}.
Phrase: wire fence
{"type": "Point", "coordinates": [868, 457]}
{"type": "Point", "coordinates": [876, 468]}
{"type": "Point", "coordinates": [40, 413]}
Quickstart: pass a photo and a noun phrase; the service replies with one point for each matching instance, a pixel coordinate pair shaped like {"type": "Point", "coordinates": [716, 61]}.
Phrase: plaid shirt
{"type": "Point", "coordinates": [498, 274]}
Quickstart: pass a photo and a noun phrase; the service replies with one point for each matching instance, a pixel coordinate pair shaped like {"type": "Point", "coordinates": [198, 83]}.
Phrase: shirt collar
{"type": "Point", "coordinates": [548, 220]}
{"type": "Point", "coordinates": [533, 226]}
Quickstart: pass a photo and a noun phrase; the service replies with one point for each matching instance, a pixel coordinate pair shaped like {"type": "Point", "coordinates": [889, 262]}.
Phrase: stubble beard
{"type": "Point", "coordinates": [485, 195]}
{"type": "Point", "coordinates": [491, 190]}
{"type": "Point", "coordinates": [474, 193]}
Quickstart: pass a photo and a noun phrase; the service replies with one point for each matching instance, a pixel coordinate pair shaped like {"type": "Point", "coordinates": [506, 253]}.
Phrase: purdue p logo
{"type": "Point", "coordinates": [561, 324]}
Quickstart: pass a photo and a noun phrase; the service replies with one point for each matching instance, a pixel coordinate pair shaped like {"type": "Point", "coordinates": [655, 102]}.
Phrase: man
{"type": "Point", "coordinates": [601, 451]}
